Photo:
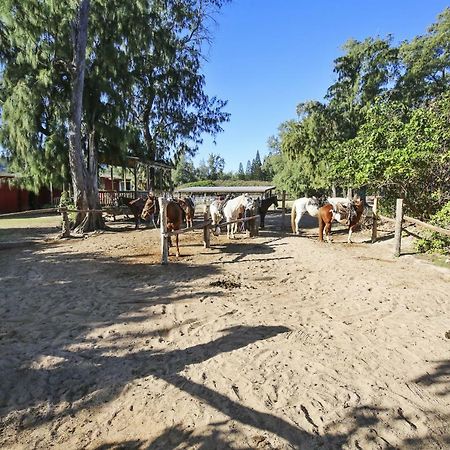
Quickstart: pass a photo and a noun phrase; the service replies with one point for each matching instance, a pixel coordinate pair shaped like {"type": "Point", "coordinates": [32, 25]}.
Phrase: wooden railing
{"type": "Point", "coordinates": [399, 219]}
{"type": "Point", "coordinates": [111, 198]}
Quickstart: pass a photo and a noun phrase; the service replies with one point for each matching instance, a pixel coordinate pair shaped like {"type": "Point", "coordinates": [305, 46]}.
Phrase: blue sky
{"type": "Point", "coordinates": [267, 56]}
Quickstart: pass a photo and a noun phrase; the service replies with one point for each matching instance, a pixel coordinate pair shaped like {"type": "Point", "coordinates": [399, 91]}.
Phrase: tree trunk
{"type": "Point", "coordinates": [84, 180]}
{"type": "Point", "coordinates": [149, 143]}
{"type": "Point", "coordinates": [92, 220]}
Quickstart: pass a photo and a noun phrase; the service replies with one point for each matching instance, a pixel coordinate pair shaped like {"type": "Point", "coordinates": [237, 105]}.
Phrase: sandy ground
{"type": "Point", "coordinates": [274, 342]}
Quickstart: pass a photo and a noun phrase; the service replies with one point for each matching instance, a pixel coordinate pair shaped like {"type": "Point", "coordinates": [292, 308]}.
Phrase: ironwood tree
{"type": "Point", "coordinates": [134, 70]}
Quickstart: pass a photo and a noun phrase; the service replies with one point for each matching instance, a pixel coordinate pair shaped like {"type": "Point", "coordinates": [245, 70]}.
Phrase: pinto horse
{"type": "Point", "coordinates": [216, 212]}
{"type": "Point", "coordinates": [174, 216]}
{"type": "Point", "coordinates": [233, 208]}
{"type": "Point", "coordinates": [301, 206]}
{"type": "Point", "coordinates": [265, 204]}
{"type": "Point", "coordinates": [346, 212]}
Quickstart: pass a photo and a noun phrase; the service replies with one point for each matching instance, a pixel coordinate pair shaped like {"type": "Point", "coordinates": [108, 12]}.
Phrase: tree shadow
{"type": "Point", "coordinates": [44, 315]}
{"type": "Point", "coordinates": [439, 377]}
{"type": "Point", "coordinates": [84, 374]}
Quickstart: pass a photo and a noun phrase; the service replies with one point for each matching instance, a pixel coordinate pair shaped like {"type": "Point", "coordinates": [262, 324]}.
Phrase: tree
{"type": "Point", "coordinates": [248, 171]}
{"type": "Point", "coordinates": [257, 167]}
{"type": "Point", "coordinates": [143, 90]}
{"type": "Point", "coordinates": [401, 153]}
{"type": "Point", "coordinates": [425, 64]}
{"type": "Point", "coordinates": [84, 179]}
{"type": "Point", "coordinates": [171, 104]}
{"type": "Point", "coordinates": [184, 171]}
{"type": "Point", "coordinates": [241, 173]}
{"type": "Point", "coordinates": [212, 169]}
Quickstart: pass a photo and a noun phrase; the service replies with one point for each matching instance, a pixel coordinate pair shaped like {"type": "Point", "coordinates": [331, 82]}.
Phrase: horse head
{"type": "Point", "coordinates": [275, 201]}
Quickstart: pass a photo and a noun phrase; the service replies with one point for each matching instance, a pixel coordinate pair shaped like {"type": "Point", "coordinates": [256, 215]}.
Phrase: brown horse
{"type": "Point", "coordinates": [174, 216]}
{"type": "Point", "coordinates": [348, 215]}
{"type": "Point", "coordinates": [135, 206]}
{"type": "Point", "coordinates": [187, 205]}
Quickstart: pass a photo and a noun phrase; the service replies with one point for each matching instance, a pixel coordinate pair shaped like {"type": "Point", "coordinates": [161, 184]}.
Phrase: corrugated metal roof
{"type": "Point", "coordinates": [225, 189]}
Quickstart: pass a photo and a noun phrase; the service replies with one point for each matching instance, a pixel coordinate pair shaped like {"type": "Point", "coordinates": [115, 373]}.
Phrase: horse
{"type": "Point", "coordinates": [188, 207]}
{"type": "Point", "coordinates": [264, 206]}
{"type": "Point", "coordinates": [347, 212]}
{"type": "Point", "coordinates": [233, 208]}
{"type": "Point", "coordinates": [300, 207]}
{"type": "Point", "coordinates": [150, 209]}
{"type": "Point", "coordinates": [174, 216]}
{"type": "Point", "coordinates": [244, 212]}
{"type": "Point", "coordinates": [135, 205]}
{"type": "Point", "coordinates": [216, 212]}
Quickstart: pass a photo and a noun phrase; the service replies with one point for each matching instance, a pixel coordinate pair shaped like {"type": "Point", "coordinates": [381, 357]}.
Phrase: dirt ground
{"type": "Point", "coordinates": [274, 342]}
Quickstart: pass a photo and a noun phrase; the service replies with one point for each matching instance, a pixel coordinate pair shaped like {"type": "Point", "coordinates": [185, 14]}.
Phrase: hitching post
{"type": "Point", "coordinates": [374, 219]}
{"type": "Point", "coordinates": [163, 228]}
{"type": "Point", "coordinates": [398, 226]}
{"type": "Point", "coordinates": [206, 228]}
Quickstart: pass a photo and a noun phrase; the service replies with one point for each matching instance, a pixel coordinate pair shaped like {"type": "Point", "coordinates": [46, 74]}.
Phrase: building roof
{"type": "Point", "coordinates": [225, 189]}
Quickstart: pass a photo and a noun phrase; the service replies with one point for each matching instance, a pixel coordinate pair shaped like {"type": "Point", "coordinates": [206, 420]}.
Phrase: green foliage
{"type": "Point", "coordinates": [66, 201]}
{"type": "Point", "coordinates": [384, 125]}
{"type": "Point", "coordinates": [184, 171]}
{"type": "Point", "coordinates": [144, 91]}
{"type": "Point", "coordinates": [436, 242]}
{"type": "Point", "coordinates": [212, 169]}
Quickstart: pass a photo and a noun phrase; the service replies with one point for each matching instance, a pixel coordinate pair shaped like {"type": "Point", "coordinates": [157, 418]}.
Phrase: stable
{"type": "Point", "coordinates": [209, 191]}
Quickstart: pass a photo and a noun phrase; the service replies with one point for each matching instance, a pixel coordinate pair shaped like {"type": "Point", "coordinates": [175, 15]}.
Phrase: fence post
{"type": "Point", "coordinates": [163, 228]}
{"type": "Point", "coordinates": [398, 226]}
{"type": "Point", "coordinates": [374, 219]}
{"type": "Point", "coordinates": [254, 224]}
{"type": "Point", "coordinates": [65, 233]}
{"type": "Point", "coordinates": [206, 228]}
{"type": "Point", "coordinates": [283, 209]}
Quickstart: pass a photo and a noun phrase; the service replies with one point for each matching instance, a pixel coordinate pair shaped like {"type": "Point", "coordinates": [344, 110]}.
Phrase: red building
{"type": "Point", "coordinates": [14, 199]}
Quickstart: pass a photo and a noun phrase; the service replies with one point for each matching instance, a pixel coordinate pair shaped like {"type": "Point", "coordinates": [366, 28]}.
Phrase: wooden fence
{"type": "Point", "coordinates": [399, 220]}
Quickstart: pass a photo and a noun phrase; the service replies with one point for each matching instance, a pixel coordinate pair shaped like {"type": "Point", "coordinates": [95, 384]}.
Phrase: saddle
{"type": "Point", "coordinates": [224, 202]}
{"type": "Point", "coordinates": [344, 213]}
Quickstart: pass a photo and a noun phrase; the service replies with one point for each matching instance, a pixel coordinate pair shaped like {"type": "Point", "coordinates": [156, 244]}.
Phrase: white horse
{"type": "Point", "coordinates": [300, 207]}
{"type": "Point", "coordinates": [338, 200]}
{"type": "Point", "coordinates": [233, 208]}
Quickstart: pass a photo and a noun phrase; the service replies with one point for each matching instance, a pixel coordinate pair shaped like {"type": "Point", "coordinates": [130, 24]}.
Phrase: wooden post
{"type": "Point", "coordinates": [65, 233]}
{"type": "Point", "coordinates": [254, 223]}
{"type": "Point", "coordinates": [398, 226]}
{"type": "Point", "coordinates": [374, 219]}
{"type": "Point", "coordinates": [283, 209]}
{"type": "Point", "coordinates": [163, 229]}
{"type": "Point", "coordinates": [206, 228]}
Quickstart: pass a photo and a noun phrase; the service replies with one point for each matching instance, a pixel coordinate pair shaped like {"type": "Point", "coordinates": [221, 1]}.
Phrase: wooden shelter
{"type": "Point", "coordinates": [261, 191]}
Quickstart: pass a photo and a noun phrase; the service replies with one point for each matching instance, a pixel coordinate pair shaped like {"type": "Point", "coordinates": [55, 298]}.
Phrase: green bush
{"type": "Point", "coordinates": [435, 242]}
{"type": "Point", "coordinates": [67, 202]}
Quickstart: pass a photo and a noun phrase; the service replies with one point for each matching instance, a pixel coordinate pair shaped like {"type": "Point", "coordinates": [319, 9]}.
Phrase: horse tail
{"type": "Point", "coordinates": [293, 218]}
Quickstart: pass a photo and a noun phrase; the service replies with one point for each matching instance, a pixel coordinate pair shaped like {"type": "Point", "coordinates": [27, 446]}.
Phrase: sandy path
{"type": "Point", "coordinates": [272, 342]}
